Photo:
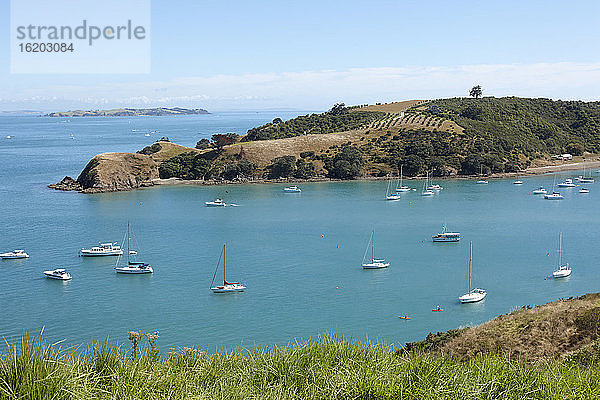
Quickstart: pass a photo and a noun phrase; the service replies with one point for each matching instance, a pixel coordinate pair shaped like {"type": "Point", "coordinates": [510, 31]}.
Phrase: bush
{"type": "Point", "coordinates": [307, 154]}
{"type": "Point", "coordinates": [150, 149]}
{"type": "Point", "coordinates": [346, 164]}
{"type": "Point", "coordinates": [203, 144]}
{"type": "Point", "coordinates": [185, 166]}
{"type": "Point", "coordinates": [282, 167]}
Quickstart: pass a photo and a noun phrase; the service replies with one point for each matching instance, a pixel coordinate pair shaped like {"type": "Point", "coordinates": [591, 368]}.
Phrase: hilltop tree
{"type": "Point", "coordinates": [476, 91]}
{"type": "Point", "coordinates": [338, 108]}
{"type": "Point", "coordinates": [220, 141]}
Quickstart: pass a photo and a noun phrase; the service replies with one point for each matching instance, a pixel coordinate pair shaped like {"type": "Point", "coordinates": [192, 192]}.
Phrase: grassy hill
{"type": "Point", "coordinates": [468, 363]}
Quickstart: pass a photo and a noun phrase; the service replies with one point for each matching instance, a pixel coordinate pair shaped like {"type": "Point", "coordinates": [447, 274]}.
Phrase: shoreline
{"type": "Point", "coordinates": [532, 171]}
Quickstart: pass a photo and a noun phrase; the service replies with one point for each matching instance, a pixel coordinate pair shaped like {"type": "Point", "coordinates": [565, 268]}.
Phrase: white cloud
{"type": "Point", "coordinates": [319, 89]}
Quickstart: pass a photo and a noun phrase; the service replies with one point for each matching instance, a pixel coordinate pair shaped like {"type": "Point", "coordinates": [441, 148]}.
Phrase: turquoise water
{"type": "Point", "coordinates": [299, 254]}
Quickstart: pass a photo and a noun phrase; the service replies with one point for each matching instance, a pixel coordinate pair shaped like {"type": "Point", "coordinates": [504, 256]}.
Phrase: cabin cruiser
{"type": "Point", "coordinates": [134, 267]}
{"type": "Point", "coordinates": [103, 249]}
{"type": "Point", "coordinates": [567, 183]}
{"type": "Point", "coordinates": [517, 182]}
{"type": "Point", "coordinates": [540, 190]}
{"type": "Point", "coordinates": [216, 203]}
{"type": "Point", "coordinates": [60, 274]}
{"type": "Point", "coordinates": [292, 189]}
{"type": "Point", "coordinates": [445, 236]}
{"type": "Point", "coordinates": [554, 196]}
{"type": "Point", "coordinates": [14, 255]}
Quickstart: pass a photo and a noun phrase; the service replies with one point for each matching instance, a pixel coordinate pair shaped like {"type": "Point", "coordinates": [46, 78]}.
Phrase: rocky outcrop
{"type": "Point", "coordinates": [67, 184]}
{"type": "Point", "coordinates": [113, 172]}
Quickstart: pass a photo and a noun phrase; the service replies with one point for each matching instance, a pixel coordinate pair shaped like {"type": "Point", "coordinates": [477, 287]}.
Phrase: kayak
{"type": "Point", "coordinates": [437, 309]}
{"type": "Point", "coordinates": [403, 317]}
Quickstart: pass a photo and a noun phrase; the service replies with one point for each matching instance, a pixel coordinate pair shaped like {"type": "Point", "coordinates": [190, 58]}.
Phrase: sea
{"type": "Point", "coordinates": [299, 254]}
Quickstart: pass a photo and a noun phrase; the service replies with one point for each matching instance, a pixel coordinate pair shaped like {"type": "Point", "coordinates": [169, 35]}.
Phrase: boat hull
{"type": "Point", "coordinates": [126, 270]}
{"type": "Point", "coordinates": [211, 204]}
{"type": "Point", "coordinates": [12, 257]}
{"type": "Point", "coordinates": [228, 289]}
{"type": "Point", "coordinates": [472, 297]}
{"type": "Point", "coordinates": [88, 253]}
{"type": "Point", "coordinates": [375, 265]}
{"type": "Point", "coordinates": [445, 240]}
{"type": "Point", "coordinates": [563, 273]}
{"type": "Point", "coordinates": [553, 197]}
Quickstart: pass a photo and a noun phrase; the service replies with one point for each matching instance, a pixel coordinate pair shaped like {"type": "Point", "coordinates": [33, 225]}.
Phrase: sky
{"type": "Point", "coordinates": [307, 55]}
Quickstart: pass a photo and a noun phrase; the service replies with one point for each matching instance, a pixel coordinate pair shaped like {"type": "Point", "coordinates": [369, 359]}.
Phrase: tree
{"type": "Point", "coordinates": [277, 121]}
{"type": "Point", "coordinates": [203, 144]}
{"type": "Point", "coordinates": [575, 149]}
{"type": "Point", "coordinates": [472, 112]}
{"type": "Point", "coordinates": [304, 169]}
{"type": "Point", "coordinates": [338, 108]}
{"type": "Point", "coordinates": [412, 165]}
{"type": "Point", "coordinates": [476, 91]}
{"type": "Point", "coordinates": [219, 141]}
{"type": "Point", "coordinates": [282, 167]}
{"type": "Point", "coordinates": [346, 164]}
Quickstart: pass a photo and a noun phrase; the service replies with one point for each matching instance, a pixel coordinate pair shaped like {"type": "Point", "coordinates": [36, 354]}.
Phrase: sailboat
{"type": "Point", "coordinates": [132, 267]}
{"type": "Point", "coordinates": [583, 178]}
{"type": "Point", "coordinates": [374, 263]}
{"type": "Point", "coordinates": [226, 287]}
{"type": "Point", "coordinates": [401, 188]}
{"type": "Point", "coordinates": [393, 195]}
{"type": "Point", "coordinates": [473, 295]}
{"type": "Point", "coordinates": [481, 181]}
{"type": "Point", "coordinates": [561, 271]}
{"type": "Point", "coordinates": [555, 195]}
{"type": "Point", "coordinates": [426, 191]}
{"type": "Point", "coordinates": [434, 186]}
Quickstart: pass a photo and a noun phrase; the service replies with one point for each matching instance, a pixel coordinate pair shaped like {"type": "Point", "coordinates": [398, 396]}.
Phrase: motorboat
{"type": "Point", "coordinates": [482, 182]}
{"type": "Point", "coordinates": [568, 183]}
{"type": "Point", "coordinates": [554, 196]}
{"type": "Point", "coordinates": [216, 203]}
{"type": "Point", "coordinates": [60, 274]}
{"type": "Point", "coordinates": [473, 295]}
{"type": "Point", "coordinates": [517, 182]}
{"type": "Point", "coordinates": [15, 254]}
{"type": "Point", "coordinates": [292, 189]}
{"type": "Point", "coordinates": [584, 190]}
{"type": "Point", "coordinates": [445, 236]}
{"type": "Point", "coordinates": [562, 270]}
{"type": "Point", "coordinates": [540, 190]}
{"type": "Point", "coordinates": [373, 263]}
{"type": "Point", "coordinates": [225, 287]}
{"type": "Point", "coordinates": [434, 187]}
{"type": "Point", "coordinates": [103, 249]}
{"type": "Point", "coordinates": [132, 267]}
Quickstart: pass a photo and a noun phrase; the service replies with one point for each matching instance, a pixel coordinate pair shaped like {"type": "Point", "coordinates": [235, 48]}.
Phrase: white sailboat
{"type": "Point", "coordinates": [225, 287]}
{"type": "Point", "coordinates": [373, 263]}
{"type": "Point", "coordinates": [391, 196]}
{"type": "Point", "coordinates": [426, 191]}
{"type": "Point", "coordinates": [434, 186]}
{"type": "Point", "coordinates": [132, 267]}
{"type": "Point", "coordinates": [481, 181]}
{"type": "Point", "coordinates": [555, 195]}
{"type": "Point", "coordinates": [583, 178]}
{"type": "Point", "coordinates": [401, 188]}
{"type": "Point", "coordinates": [473, 295]}
{"type": "Point", "coordinates": [561, 271]}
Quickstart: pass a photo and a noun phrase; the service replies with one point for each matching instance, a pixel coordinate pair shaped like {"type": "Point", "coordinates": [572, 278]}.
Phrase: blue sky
{"type": "Point", "coordinates": [236, 55]}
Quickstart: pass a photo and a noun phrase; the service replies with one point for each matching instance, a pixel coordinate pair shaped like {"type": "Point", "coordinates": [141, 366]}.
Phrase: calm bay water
{"type": "Point", "coordinates": [299, 254]}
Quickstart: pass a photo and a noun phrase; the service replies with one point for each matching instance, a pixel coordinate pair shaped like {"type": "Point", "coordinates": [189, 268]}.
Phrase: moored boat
{"type": "Point", "coordinates": [292, 189]}
{"type": "Point", "coordinates": [216, 203]}
{"type": "Point", "coordinates": [60, 274]}
{"type": "Point", "coordinates": [132, 267]}
{"type": "Point", "coordinates": [373, 263]}
{"type": "Point", "coordinates": [540, 190]}
{"type": "Point", "coordinates": [13, 255]}
{"type": "Point", "coordinates": [225, 287]}
{"type": "Point", "coordinates": [103, 249]}
{"type": "Point", "coordinates": [562, 270]}
{"type": "Point", "coordinates": [568, 183]}
{"type": "Point", "coordinates": [445, 236]}
{"type": "Point", "coordinates": [473, 295]}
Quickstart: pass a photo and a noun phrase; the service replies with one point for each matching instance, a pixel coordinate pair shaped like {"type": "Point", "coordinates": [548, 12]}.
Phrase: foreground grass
{"type": "Point", "coordinates": [328, 368]}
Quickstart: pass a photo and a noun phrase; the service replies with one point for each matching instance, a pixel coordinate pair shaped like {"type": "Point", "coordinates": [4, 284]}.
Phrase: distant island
{"type": "Point", "coordinates": [457, 137]}
{"type": "Point", "coordinates": [129, 112]}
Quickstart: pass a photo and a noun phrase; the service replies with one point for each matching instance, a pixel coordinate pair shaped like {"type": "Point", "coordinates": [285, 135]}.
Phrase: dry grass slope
{"type": "Point", "coordinates": [546, 332]}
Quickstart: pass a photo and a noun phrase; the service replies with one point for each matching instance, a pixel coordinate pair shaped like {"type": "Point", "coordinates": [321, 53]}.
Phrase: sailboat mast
{"type": "Point", "coordinates": [128, 240]}
{"type": "Point", "coordinates": [224, 264]}
{"type": "Point", "coordinates": [400, 175]}
{"type": "Point", "coordinates": [373, 246]}
{"type": "Point", "coordinates": [470, 263]}
{"type": "Point", "coordinates": [559, 250]}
